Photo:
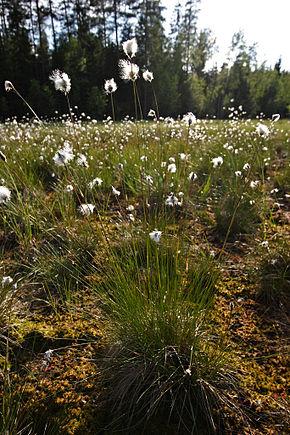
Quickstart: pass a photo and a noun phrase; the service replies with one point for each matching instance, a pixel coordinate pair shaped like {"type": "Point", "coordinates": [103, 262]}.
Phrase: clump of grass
{"type": "Point", "coordinates": [61, 264]}
{"type": "Point", "coordinates": [274, 272]}
{"type": "Point", "coordinates": [167, 361]}
{"type": "Point", "coordinates": [235, 215]}
{"type": "Point", "coordinates": [13, 419]}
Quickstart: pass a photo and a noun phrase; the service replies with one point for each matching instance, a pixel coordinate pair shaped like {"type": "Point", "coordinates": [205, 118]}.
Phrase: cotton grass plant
{"type": "Point", "coordinates": [167, 359]}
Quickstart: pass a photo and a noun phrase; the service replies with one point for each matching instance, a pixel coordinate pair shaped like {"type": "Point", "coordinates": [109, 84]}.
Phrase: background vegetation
{"type": "Point", "coordinates": [83, 38]}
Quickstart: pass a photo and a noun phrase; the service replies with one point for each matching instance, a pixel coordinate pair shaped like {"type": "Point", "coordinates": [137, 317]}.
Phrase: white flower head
{"type": "Point", "coordinates": [5, 194]}
{"type": "Point", "coordinates": [96, 181]}
{"type": "Point", "coordinates": [148, 76]}
{"type": "Point", "coordinates": [262, 130]}
{"type": "Point", "coordinates": [115, 191]}
{"type": "Point", "coordinates": [151, 113]}
{"type": "Point", "coordinates": [217, 161]}
{"type": "Point", "coordinates": [82, 161]}
{"type": "Point", "coordinates": [8, 86]}
{"type": "Point", "coordinates": [64, 155]}
{"type": "Point", "coordinates": [265, 244]}
{"type": "Point", "coordinates": [184, 157]}
{"type": "Point", "coordinates": [86, 209]}
{"type": "Point", "coordinates": [128, 70]}
{"type": "Point", "coordinates": [48, 355]}
{"type": "Point", "coordinates": [155, 236]}
{"type": "Point", "coordinates": [110, 86]}
{"type": "Point", "coordinates": [148, 179]}
{"type": "Point", "coordinates": [246, 166]}
{"type": "Point", "coordinates": [69, 188]}
{"type": "Point", "coordinates": [6, 280]}
{"type": "Point", "coordinates": [171, 168]}
{"type": "Point", "coordinates": [130, 47]}
{"type": "Point", "coordinates": [254, 184]}
{"type": "Point", "coordinates": [189, 118]}
{"type": "Point", "coordinates": [238, 173]}
{"type": "Point", "coordinates": [192, 176]}
{"type": "Point", "coordinates": [61, 81]}
{"type": "Point", "coordinates": [275, 117]}
{"type": "Point", "coordinates": [172, 200]}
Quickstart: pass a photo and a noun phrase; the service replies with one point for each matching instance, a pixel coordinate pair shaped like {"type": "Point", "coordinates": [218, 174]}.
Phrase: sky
{"type": "Point", "coordinates": [266, 22]}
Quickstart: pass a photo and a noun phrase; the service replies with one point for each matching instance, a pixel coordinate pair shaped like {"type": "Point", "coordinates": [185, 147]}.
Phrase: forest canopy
{"type": "Point", "coordinates": [84, 37]}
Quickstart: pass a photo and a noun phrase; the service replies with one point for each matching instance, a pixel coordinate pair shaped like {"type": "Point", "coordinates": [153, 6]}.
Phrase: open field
{"type": "Point", "coordinates": [145, 273]}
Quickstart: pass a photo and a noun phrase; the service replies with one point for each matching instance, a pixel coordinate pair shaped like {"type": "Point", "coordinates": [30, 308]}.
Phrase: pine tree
{"type": "Point", "coordinates": [188, 33]}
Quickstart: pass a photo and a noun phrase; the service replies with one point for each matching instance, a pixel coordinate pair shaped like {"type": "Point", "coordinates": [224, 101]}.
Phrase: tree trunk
{"type": "Point", "coordinates": [66, 19]}
{"type": "Point", "coordinates": [39, 23]}
{"type": "Point", "coordinates": [52, 25]}
{"type": "Point", "coordinates": [116, 22]}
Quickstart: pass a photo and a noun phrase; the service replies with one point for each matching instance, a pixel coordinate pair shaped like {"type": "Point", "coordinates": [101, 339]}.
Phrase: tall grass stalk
{"type": "Point", "coordinates": [25, 102]}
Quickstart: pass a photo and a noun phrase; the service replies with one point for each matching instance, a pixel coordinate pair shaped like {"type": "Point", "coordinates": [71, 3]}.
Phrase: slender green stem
{"type": "Point", "coordinates": [135, 99]}
{"type": "Point", "coordinates": [28, 105]}
{"type": "Point", "coordinates": [69, 108]}
{"type": "Point", "coordinates": [155, 101]}
{"type": "Point", "coordinates": [113, 107]}
{"type": "Point", "coordinates": [230, 226]}
{"type": "Point", "coordinates": [139, 103]}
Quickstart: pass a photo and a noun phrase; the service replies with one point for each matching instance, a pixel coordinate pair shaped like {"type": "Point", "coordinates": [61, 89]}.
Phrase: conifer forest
{"type": "Point", "coordinates": [83, 38]}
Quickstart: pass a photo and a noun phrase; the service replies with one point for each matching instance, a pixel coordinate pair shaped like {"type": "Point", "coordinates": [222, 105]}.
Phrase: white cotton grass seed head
{"type": "Point", "coordinates": [95, 182]}
{"type": "Point", "coordinates": [6, 280]}
{"type": "Point", "coordinates": [148, 179]}
{"type": "Point", "coordinates": [69, 188]}
{"type": "Point", "coordinates": [82, 161]}
{"type": "Point", "coordinates": [128, 70]}
{"type": "Point", "coordinates": [148, 76]}
{"type": "Point", "coordinates": [217, 161]}
{"type": "Point", "coordinates": [172, 200]}
{"type": "Point", "coordinates": [5, 194]}
{"type": "Point", "coordinates": [254, 184]}
{"type": "Point", "coordinates": [8, 86]}
{"type": "Point", "coordinates": [115, 191]}
{"type": "Point", "coordinates": [262, 130]}
{"type": "Point", "coordinates": [189, 118]}
{"type": "Point", "coordinates": [151, 113]}
{"type": "Point", "coordinates": [155, 236]}
{"type": "Point", "coordinates": [184, 157]}
{"type": "Point", "coordinates": [275, 117]}
{"type": "Point", "coordinates": [86, 209]}
{"type": "Point", "coordinates": [61, 81]}
{"type": "Point", "coordinates": [130, 47]}
{"type": "Point", "coordinates": [110, 86]}
{"type": "Point", "coordinates": [192, 176]}
{"type": "Point", "coordinates": [171, 168]}
{"type": "Point", "coordinates": [63, 155]}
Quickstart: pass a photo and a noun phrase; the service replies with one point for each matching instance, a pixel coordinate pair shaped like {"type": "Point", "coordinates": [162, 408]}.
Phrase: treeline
{"type": "Point", "coordinates": [83, 38]}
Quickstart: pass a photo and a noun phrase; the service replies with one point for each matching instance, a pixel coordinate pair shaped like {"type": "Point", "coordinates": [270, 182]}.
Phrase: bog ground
{"type": "Point", "coordinates": [145, 273]}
